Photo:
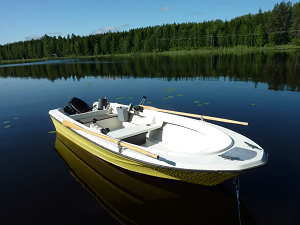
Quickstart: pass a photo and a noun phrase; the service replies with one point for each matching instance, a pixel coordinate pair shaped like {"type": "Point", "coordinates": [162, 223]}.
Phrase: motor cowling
{"type": "Point", "coordinates": [77, 106]}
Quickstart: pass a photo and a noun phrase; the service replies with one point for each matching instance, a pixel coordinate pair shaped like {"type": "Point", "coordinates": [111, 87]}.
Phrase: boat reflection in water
{"type": "Point", "coordinates": [134, 198]}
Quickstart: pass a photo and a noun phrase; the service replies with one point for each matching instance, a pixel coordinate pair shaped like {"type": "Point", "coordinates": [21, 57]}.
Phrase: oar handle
{"type": "Point", "coordinates": [195, 115]}
{"type": "Point", "coordinates": [124, 144]}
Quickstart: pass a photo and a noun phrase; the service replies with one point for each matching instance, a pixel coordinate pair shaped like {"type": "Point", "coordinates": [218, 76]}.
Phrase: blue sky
{"type": "Point", "coordinates": [22, 20]}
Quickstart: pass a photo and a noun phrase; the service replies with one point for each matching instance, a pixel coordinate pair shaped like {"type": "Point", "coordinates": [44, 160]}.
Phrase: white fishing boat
{"type": "Point", "coordinates": [161, 143]}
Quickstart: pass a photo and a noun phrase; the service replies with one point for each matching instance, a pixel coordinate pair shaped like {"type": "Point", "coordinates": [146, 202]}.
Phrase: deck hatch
{"type": "Point", "coordinates": [239, 154]}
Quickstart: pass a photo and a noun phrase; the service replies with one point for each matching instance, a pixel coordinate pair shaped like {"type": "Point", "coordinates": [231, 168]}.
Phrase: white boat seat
{"type": "Point", "coordinates": [133, 130]}
{"type": "Point", "coordinates": [101, 117]}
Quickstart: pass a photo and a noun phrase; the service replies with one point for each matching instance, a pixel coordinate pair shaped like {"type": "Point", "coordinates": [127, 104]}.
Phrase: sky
{"type": "Point", "coordinates": [22, 20]}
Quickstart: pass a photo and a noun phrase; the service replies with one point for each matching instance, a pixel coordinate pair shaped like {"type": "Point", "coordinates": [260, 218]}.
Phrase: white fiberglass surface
{"type": "Point", "coordinates": [186, 140]}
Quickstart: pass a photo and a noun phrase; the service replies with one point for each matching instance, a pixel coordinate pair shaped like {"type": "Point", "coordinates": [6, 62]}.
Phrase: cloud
{"type": "Point", "coordinates": [34, 37]}
{"type": "Point", "coordinates": [167, 8]}
{"type": "Point", "coordinates": [125, 25]}
{"type": "Point", "coordinates": [105, 29]}
{"type": "Point", "coordinates": [54, 33]}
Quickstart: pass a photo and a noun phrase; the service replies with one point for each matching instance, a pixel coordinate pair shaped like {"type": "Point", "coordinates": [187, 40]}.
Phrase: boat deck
{"type": "Point", "coordinates": [158, 145]}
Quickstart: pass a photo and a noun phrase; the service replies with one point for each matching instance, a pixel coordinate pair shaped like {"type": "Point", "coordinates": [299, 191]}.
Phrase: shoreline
{"type": "Point", "coordinates": [172, 52]}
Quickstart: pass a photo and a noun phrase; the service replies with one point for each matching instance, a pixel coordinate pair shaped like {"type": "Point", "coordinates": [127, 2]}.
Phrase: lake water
{"type": "Point", "coordinates": [45, 179]}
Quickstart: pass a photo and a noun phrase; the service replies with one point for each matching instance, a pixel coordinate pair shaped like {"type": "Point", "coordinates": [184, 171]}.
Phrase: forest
{"type": "Point", "coordinates": [279, 26]}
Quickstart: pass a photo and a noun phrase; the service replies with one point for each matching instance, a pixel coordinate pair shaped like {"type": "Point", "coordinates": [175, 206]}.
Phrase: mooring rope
{"type": "Point", "coordinates": [236, 182]}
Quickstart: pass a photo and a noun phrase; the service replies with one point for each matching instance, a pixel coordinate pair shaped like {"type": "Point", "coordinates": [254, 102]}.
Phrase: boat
{"type": "Point", "coordinates": [158, 142]}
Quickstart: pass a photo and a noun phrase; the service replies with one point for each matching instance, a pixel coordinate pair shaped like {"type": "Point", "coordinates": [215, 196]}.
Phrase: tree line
{"type": "Point", "coordinates": [279, 26]}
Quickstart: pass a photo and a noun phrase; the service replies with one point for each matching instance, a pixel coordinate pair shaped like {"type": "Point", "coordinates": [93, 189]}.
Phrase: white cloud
{"type": "Point", "coordinates": [167, 8]}
{"type": "Point", "coordinates": [125, 25]}
{"type": "Point", "coordinates": [54, 33]}
{"type": "Point", "coordinates": [105, 29]}
{"type": "Point", "coordinates": [34, 37]}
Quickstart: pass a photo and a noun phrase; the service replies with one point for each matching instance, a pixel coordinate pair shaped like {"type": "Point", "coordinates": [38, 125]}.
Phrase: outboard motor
{"type": "Point", "coordinates": [68, 110]}
{"type": "Point", "coordinates": [78, 106]}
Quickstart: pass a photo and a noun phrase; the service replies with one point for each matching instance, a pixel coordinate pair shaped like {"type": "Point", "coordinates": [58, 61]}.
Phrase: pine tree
{"type": "Point", "coordinates": [280, 22]}
{"type": "Point", "coordinates": [53, 45]}
{"type": "Point", "coordinates": [260, 35]}
{"type": "Point", "coordinates": [96, 49]}
{"type": "Point", "coordinates": [59, 46]}
{"type": "Point", "coordinates": [296, 22]}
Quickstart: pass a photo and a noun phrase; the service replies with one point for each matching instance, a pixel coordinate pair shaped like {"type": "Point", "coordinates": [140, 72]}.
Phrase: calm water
{"type": "Point", "coordinates": [45, 179]}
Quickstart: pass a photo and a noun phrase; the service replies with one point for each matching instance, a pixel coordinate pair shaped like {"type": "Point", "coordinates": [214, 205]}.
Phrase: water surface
{"type": "Point", "coordinates": [41, 184]}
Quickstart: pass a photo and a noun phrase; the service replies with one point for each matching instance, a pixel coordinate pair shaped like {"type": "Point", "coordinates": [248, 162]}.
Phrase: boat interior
{"type": "Point", "coordinates": [145, 128]}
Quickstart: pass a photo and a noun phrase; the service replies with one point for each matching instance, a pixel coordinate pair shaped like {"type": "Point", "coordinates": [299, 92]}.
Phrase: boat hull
{"type": "Point", "coordinates": [131, 197]}
{"type": "Point", "coordinates": [205, 178]}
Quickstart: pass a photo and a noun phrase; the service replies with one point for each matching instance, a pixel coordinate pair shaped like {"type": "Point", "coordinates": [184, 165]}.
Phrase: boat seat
{"type": "Point", "coordinates": [101, 117]}
{"type": "Point", "coordinates": [133, 130]}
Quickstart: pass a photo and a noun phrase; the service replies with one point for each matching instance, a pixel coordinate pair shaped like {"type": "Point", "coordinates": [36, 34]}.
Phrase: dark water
{"type": "Point", "coordinates": [45, 179]}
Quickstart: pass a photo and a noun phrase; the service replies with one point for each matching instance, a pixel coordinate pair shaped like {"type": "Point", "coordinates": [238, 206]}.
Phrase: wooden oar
{"type": "Point", "coordinates": [195, 115]}
{"type": "Point", "coordinates": [76, 127]}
